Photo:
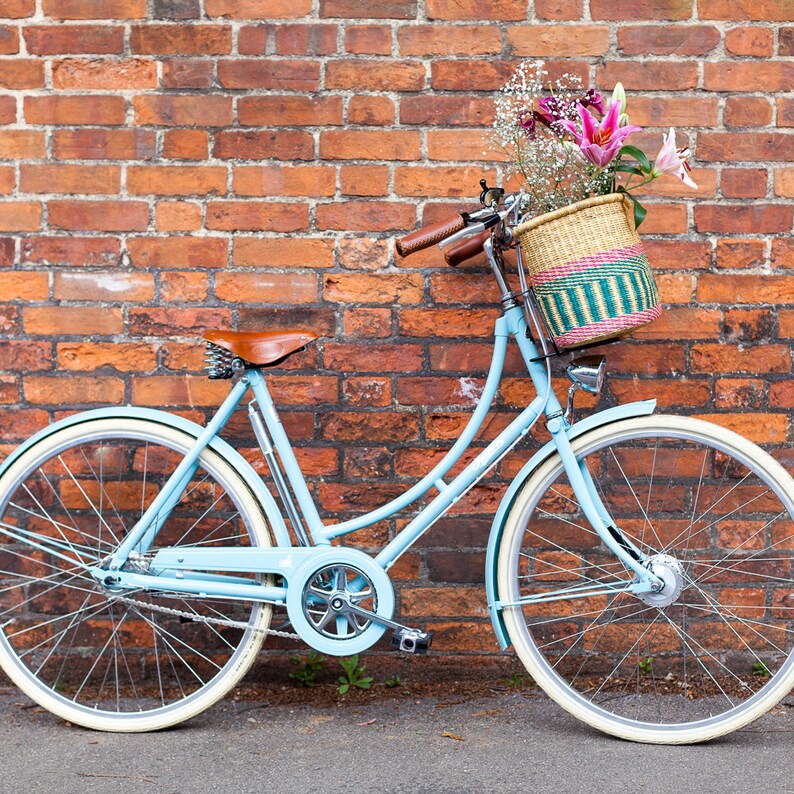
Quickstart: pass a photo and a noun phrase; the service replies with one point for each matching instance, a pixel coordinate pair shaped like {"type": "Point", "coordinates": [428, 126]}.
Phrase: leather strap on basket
{"type": "Point", "coordinates": [466, 249]}
{"type": "Point", "coordinates": [429, 235]}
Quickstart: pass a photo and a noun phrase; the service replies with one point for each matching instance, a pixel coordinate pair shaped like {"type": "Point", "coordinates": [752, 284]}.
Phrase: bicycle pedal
{"type": "Point", "coordinates": [411, 640]}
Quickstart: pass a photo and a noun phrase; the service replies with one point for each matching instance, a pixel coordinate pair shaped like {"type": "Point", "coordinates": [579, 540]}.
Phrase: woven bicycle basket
{"type": "Point", "coordinates": [589, 271]}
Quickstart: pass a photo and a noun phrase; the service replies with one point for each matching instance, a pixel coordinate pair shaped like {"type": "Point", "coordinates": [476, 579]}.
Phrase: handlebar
{"type": "Point", "coordinates": [430, 235]}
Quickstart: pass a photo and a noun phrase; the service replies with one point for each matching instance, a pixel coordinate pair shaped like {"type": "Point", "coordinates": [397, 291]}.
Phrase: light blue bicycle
{"type": "Point", "coordinates": [640, 565]}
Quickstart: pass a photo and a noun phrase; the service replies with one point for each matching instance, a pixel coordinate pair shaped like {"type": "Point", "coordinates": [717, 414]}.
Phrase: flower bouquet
{"type": "Point", "coordinates": [568, 149]}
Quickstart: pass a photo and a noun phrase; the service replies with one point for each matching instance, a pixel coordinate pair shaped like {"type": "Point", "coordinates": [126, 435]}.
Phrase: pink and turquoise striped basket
{"type": "Point", "coordinates": [589, 271]}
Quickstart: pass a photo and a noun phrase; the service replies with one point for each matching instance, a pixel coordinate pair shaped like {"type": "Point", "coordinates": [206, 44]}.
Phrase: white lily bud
{"type": "Point", "coordinates": [623, 120]}
{"type": "Point", "coordinates": [619, 95]}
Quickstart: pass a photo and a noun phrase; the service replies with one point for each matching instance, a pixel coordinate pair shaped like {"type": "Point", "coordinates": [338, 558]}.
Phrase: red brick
{"type": "Point", "coordinates": [282, 252]}
{"type": "Point", "coordinates": [743, 182]}
{"type": "Point", "coordinates": [747, 111]}
{"type": "Point", "coordinates": [449, 40]}
{"type": "Point", "coordinates": [738, 393]}
{"type": "Point", "coordinates": [487, 75]}
{"type": "Point", "coordinates": [785, 112]}
{"type": "Point", "coordinates": [672, 40]}
{"type": "Point", "coordinates": [367, 323]}
{"type": "Point", "coordinates": [365, 216]}
{"type": "Point", "coordinates": [74, 110]}
{"type": "Point", "coordinates": [177, 286]}
{"type": "Point", "coordinates": [152, 39]}
{"type": "Point", "coordinates": [94, 9]}
{"type": "Point", "coordinates": [103, 144]}
{"type": "Point", "coordinates": [370, 110]}
{"type": "Point", "coordinates": [754, 219]}
{"type": "Point", "coordinates": [252, 39]}
{"type": "Point", "coordinates": [91, 356]}
{"type": "Point", "coordinates": [749, 325]}
{"type": "Point", "coordinates": [7, 179]}
{"type": "Point", "coordinates": [438, 181]}
{"type": "Point", "coordinates": [377, 75]}
{"type": "Point", "coordinates": [71, 320]}
{"type": "Point", "coordinates": [277, 180]}
{"type": "Point", "coordinates": [447, 323]}
{"type": "Point", "coordinates": [745, 146]}
{"type": "Point", "coordinates": [74, 389]}
{"type": "Point", "coordinates": [176, 180]}
{"type": "Point", "coordinates": [87, 179]}
{"type": "Point", "coordinates": [187, 73]}
{"type": "Point", "coordinates": [73, 39]}
{"type": "Point", "coordinates": [786, 43]}
{"type": "Point", "coordinates": [289, 111]}
{"type": "Point", "coordinates": [641, 9]}
{"type": "Point", "coordinates": [754, 41]}
{"type": "Point", "coordinates": [648, 76]}
{"type": "Point", "coordinates": [301, 40]}
{"type": "Point", "coordinates": [154, 390]}
{"type": "Point", "coordinates": [176, 9]}
{"type": "Point", "coordinates": [364, 180]}
{"type": "Point", "coordinates": [558, 40]}
{"type": "Point", "coordinates": [76, 74]}
{"type": "Point", "coordinates": [90, 251]}
{"type": "Point", "coordinates": [370, 145]}
{"type": "Point", "coordinates": [176, 322]}
{"type": "Point", "coordinates": [782, 253]}
{"type": "Point", "coordinates": [266, 287]}
{"type": "Point", "coordinates": [748, 75]}
{"type": "Point", "coordinates": [447, 111]}
{"type": "Point", "coordinates": [676, 111]}
{"type": "Point", "coordinates": [178, 252]}
{"type": "Point", "coordinates": [8, 110]}
{"type": "Point", "coordinates": [363, 392]}
{"type": "Point", "coordinates": [23, 285]}
{"type": "Point", "coordinates": [372, 357]}
{"type": "Point", "coordinates": [21, 144]}
{"type": "Point", "coordinates": [363, 253]}
{"type": "Point", "coordinates": [558, 9]}
{"type": "Point", "coordinates": [257, 216]}
{"type": "Point", "coordinates": [104, 286]}
{"type": "Point", "coordinates": [373, 288]}
{"type": "Point", "coordinates": [186, 144]}
{"type": "Point", "coordinates": [16, 9]}
{"type": "Point", "coordinates": [476, 9]}
{"type": "Point", "coordinates": [749, 289]}
{"type": "Point", "coordinates": [275, 75]}
{"type": "Point", "coordinates": [265, 145]}
{"type": "Point", "coordinates": [21, 73]}
{"type": "Point", "coordinates": [368, 39]}
{"type": "Point", "coordinates": [755, 10]}
{"type": "Point", "coordinates": [257, 9]}
{"type": "Point", "coordinates": [368, 9]}
{"type": "Point", "coordinates": [177, 216]}
{"type": "Point", "coordinates": [183, 110]}
{"type": "Point", "coordinates": [740, 253]}
{"type": "Point", "coordinates": [20, 216]}
{"type": "Point", "coordinates": [103, 216]}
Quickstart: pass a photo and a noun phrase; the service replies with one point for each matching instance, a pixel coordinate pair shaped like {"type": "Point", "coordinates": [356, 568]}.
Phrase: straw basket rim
{"type": "Point", "coordinates": [562, 212]}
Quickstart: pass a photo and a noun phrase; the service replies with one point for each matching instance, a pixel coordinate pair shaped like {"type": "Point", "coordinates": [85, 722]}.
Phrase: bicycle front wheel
{"type": "Point", "coordinates": [130, 661]}
{"type": "Point", "coordinates": [713, 651]}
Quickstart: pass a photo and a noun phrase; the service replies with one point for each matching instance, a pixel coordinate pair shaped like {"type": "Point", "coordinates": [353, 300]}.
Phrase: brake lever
{"type": "Point", "coordinates": [475, 228]}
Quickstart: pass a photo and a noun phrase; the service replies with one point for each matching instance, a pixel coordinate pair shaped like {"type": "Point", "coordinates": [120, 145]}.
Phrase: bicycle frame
{"type": "Point", "coordinates": [182, 566]}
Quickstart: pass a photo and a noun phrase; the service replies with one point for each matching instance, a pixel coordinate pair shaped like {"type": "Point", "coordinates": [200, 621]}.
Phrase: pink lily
{"type": "Point", "coordinates": [600, 141]}
{"type": "Point", "coordinates": [673, 161]}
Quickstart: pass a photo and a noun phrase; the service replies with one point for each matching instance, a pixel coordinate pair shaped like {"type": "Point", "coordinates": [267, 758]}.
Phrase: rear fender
{"type": "Point", "coordinates": [234, 458]}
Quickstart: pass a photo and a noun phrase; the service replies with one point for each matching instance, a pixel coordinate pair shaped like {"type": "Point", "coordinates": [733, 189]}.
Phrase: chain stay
{"type": "Point", "coordinates": [237, 624]}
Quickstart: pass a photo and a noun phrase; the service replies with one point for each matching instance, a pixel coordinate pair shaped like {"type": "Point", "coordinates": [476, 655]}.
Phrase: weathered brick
{"type": "Point", "coordinates": [756, 10]}
{"type": "Point", "coordinates": [98, 144]}
{"type": "Point", "coordinates": [264, 145]}
{"type": "Point", "coordinates": [754, 41]}
{"type": "Point", "coordinates": [20, 216]}
{"type": "Point", "coordinates": [178, 252]}
{"type": "Point", "coordinates": [370, 110]}
{"type": "Point", "coordinates": [370, 145]}
{"type": "Point", "coordinates": [177, 216]}
{"type": "Point", "coordinates": [176, 180]}
{"type": "Point", "coordinates": [372, 288]}
{"type": "Point", "coordinates": [272, 74]}
{"type": "Point", "coordinates": [91, 356]}
{"type": "Point", "coordinates": [106, 216]}
{"type": "Point", "coordinates": [558, 9]}
{"type": "Point", "coordinates": [476, 9]}
{"type": "Point", "coordinates": [186, 145]}
{"type": "Point", "coordinates": [289, 111]}
{"type": "Point", "coordinates": [368, 39]}
{"type": "Point", "coordinates": [745, 289]}
{"type": "Point", "coordinates": [754, 219]}
{"type": "Point", "coordinates": [641, 9]}
{"type": "Point", "coordinates": [276, 180]}
{"type": "Point", "coordinates": [74, 110]}
{"type": "Point", "coordinates": [673, 75]}
{"type": "Point", "coordinates": [104, 286]}
{"type": "Point", "coordinates": [558, 40]}
{"type": "Point", "coordinates": [438, 181]}
{"type": "Point", "coordinates": [73, 39]}
{"type": "Point", "coordinates": [364, 180]}
{"type": "Point", "coordinates": [21, 144]}
{"type": "Point", "coordinates": [740, 253]}
{"type": "Point", "coordinates": [257, 216]}
{"type": "Point", "coordinates": [8, 110]}
{"type": "Point", "coordinates": [17, 9]}
{"type": "Point", "coordinates": [176, 9]}
{"type": "Point", "coordinates": [74, 389]}
{"type": "Point", "coordinates": [664, 40]}
{"type": "Point", "coordinates": [257, 9]}
{"type": "Point", "coordinates": [747, 111]}
{"type": "Point", "coordinates": [449, 40]}
{"type": "Point", "coordinates": [365, 216]}
{"type": "Point", "coordinates": [301, 40]}
{"type": "Point", "coordinates": [182, 110]}
{"type": "Point", "coordinates": [72, 250]}
{"type": "Point", "coordinates": [446, 111]}
{"type": "Point", "coordinates": [282, 252]}
{"type": "Point", "coordinates": [94, 9]}
{"type": "Point", "coordinates": [266, 287]}
{"type": "Point", "coordinates": [153, 39]}
{"type": "Point", "coordinates": [372, 9]}
{"type": "Point", "coordinates": [764, 75]}
{"type": "Point", "coordinates": [186, 73]}
{"type": "Point", "coordinates": [377, 75]}
{"type": "Point", "coordinates": [87, 179]}
{"type": "Point", "coordinates": [74, 74]}
{"type": "Point", "coordinates": [743, 182]}
{"type": "Point", "coordinates": [71, 320]}
{"type": "Point", "coordinates": [21, 74]}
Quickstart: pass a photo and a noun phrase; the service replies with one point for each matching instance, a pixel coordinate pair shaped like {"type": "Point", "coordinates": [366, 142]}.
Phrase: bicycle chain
{"type": "Point", "coordinates": [237, 624]}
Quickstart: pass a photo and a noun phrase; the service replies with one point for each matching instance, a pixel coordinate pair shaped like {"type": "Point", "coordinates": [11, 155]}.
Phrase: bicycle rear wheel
{"type": "Point", "coordinates": [94, 657]}
{"type": "Point", "coordinates": [711, 653]}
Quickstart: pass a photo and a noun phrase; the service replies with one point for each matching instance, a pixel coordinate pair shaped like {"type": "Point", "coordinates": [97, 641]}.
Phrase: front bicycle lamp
{"type": "Point", "coordinates": [587, 374]}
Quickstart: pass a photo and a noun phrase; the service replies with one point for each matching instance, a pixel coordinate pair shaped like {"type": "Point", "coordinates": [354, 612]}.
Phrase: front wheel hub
{"type": "Point", "coordinates": [670, 572]}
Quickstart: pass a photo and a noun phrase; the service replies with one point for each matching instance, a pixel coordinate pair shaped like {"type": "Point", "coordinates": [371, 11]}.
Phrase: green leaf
{"type": "Point", "coordinates": [639, 211]}
{"type": "Point", "coordinates": [638, 155]}
{"type": "Point", "coordinates": [343, 688]}
{"type": "Point", "coordinates": [365, 683]}
{"type": "Point", "coordinates": [629, 169]}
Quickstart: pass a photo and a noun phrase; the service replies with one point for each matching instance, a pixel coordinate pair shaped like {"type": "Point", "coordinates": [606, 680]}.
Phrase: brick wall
{"type": "Point", "coordinates": [173, 165]}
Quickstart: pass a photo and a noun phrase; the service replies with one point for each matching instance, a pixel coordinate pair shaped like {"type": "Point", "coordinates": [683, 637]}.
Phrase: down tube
{"type": "Point", "coordinates": [518, 427]}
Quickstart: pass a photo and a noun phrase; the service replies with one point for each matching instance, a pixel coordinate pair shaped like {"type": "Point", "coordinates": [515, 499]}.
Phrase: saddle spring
{"type": "Point", "coordinates": [218, 362]}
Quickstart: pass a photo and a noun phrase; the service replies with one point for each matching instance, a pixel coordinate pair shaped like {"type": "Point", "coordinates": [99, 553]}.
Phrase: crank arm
{"type": "Point", "coordinates": [365, 613]}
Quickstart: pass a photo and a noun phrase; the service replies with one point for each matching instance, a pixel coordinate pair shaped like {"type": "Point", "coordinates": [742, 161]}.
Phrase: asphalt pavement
{"type": "Point", "coordinates": [511, 742]}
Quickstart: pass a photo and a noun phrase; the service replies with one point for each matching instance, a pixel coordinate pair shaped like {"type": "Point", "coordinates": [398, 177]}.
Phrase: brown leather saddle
{"type": "Point", "coordinates": [263, 349]}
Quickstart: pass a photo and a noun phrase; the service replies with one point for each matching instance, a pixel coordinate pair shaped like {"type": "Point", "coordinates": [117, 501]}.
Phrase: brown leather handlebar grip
{"type": "Point", "coordinates": [466, 249]}
{"type": "Point", "coordinates": [429, 235]}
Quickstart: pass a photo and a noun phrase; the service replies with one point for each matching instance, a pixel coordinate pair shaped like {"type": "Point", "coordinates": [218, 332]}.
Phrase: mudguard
{"type": "Point", "coordinates": [642, 408]}
{"type": "Point", "coordinates": [223, 448]}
